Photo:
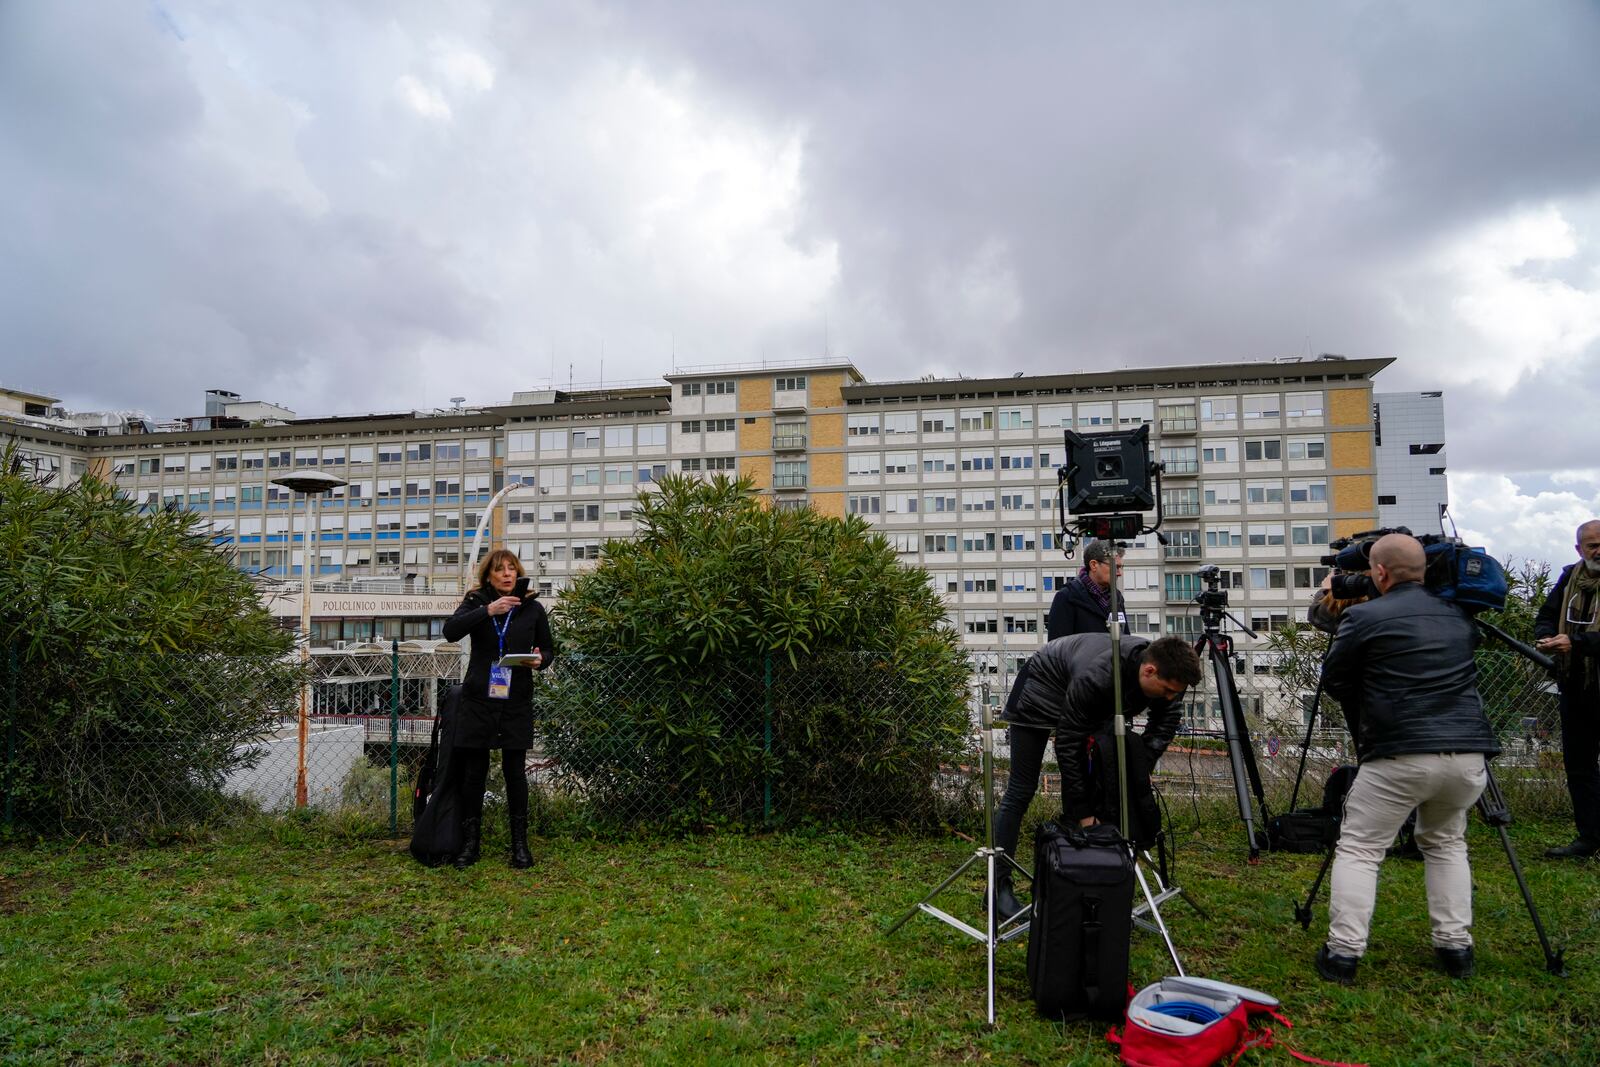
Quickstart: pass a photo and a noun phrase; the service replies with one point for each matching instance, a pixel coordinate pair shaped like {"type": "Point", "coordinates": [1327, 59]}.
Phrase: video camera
{"type": "Point", "coordinates": [1454, 571]}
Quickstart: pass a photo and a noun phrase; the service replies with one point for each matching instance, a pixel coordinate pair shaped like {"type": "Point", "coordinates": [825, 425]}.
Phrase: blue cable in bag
{"type": "Point", "coordinates": [1187, 1010]}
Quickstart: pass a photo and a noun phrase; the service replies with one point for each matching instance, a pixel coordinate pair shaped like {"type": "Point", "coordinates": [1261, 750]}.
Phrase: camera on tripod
{"type": "Point", "coordinates": [1213, 598]}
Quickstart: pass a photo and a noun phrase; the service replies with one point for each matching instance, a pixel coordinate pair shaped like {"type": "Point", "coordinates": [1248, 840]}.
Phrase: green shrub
{"type": "Point", "coordinates": [737, 662]}
{"type": "Point", "coordinates": [138, 663]}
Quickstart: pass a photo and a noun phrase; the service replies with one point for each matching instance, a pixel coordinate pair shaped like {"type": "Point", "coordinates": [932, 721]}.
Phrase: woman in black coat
{"type": "Point", "coordinates": [496, 709]}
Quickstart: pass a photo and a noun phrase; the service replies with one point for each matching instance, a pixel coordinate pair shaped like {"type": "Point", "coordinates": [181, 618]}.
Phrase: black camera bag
{"type": "Point", "coordinates": [1313, 829]}
{"type": "Point", "coordinates": [1082, 921]}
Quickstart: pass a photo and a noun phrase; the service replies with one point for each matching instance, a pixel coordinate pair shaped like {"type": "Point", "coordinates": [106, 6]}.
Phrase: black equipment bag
{"type": "Point", "coordinates": [1144, 817]}
{"type": "Point", "coordinates": [1313, 829]}
{"type": "Point", "coordinates": [436, 809]}
{"type": "Point", "coordinates": [1082, 921]}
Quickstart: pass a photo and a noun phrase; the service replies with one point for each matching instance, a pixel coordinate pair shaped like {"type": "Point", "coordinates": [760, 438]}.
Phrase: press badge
{"type": "Point", "coordinates": [499, 683]}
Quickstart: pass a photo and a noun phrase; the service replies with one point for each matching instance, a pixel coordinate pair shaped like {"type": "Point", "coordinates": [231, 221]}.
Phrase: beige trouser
{"type": "Point", "coordinates": [1442, 788]}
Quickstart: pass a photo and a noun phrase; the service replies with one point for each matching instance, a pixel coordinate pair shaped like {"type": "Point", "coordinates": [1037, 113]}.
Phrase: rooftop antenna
{"type": "Point", "coordinates": [456, 402]}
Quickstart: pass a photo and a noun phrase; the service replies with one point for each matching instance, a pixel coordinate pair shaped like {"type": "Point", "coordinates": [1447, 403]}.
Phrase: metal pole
{"type": "Point", "coordinates": [394, 735]}
{"type": "Point", "coordinates": [303, 727]}
{"type": "Point", "coordinates": [11, 732]}
{"type": "Point", "coordinates": [1119, 722]}
{"type": "Point", "coordinates": [766, 767]}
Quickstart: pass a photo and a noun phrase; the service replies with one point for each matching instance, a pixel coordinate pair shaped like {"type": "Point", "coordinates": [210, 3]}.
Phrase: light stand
{"type": "Point", "coordinates": [1103, 475]}
{"type": "Point", "coordinates": [996, 931]}
{"type": "Point", "coordinates": [312, 485]}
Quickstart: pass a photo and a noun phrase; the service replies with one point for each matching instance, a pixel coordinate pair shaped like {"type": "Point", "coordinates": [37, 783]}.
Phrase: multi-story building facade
{"type": "Point", "coordinates": [1265, 463]}
{"type": "Point", "coordinates": [1408, 432]}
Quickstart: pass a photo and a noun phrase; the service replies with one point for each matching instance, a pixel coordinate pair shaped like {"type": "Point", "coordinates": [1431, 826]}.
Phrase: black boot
{"type": "Point", "coordinates": [521, 858]}
{"type": "Point", "coordinates": [471, 841]}
{"type": "Point", "coordinates": [1006, 903]}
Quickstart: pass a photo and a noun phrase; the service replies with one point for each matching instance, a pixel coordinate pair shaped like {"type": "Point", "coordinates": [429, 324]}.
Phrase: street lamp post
{"type": "Point", "coordinates": [312, 485]}
{"type": "Point", "coordinates": [477, 538]}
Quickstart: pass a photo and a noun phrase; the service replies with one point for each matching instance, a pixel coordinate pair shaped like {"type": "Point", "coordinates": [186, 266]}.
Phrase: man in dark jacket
{"type": "Point", "coordinates": [1065, 688]}
{"type": "Point", "coordinates": [1568, 628]}
{"type": "Point", "coordinates": [1082, 605]}
{"type": "Point", "coordinates": [1401, 667]}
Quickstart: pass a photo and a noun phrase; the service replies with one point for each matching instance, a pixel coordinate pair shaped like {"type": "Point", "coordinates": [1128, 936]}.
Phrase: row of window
{"type": "Point", "coordinates": [1218, 411]}
{"type": "Point", "coordinates": [314, 456]}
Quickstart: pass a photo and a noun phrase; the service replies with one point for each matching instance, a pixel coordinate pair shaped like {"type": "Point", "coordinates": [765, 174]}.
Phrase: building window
{"type": "Point", "coordinates": [1387, 501]}
{"type": "Point", "coordinates": [791, 384]}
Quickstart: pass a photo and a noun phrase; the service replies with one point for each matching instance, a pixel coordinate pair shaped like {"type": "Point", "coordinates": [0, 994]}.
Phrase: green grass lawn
{"type": "Point", "coordinates": [284, 943]}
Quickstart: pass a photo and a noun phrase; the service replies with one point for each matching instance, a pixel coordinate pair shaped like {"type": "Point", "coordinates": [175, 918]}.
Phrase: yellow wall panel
{"type": "Point", "coordinates": [1350, 527]}
{"type": "Point", "coordinates": [1350, 407]}
{"type": "Point", "coordinates": [755, 436]}
{"type": "Point", "coordinates": [755, 394]}
{"type": "Point", "coordinates": [758, 468]}
{"type": "Point", "coordinates": [830, 504]}
{"type": "Point", "coordinates": [1350, 449]}
{"type": "Point", "coordinates": [827, 469]}
{"type": "Point", "coordinates": [827, 431]}
{"type": "Point", "coordinates": [1354, 492]}
{"type": "Point", "coordinates": [827, 391]}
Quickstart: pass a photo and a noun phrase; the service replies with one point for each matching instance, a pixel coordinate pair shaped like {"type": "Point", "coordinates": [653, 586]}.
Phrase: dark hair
{"type": "Point", "coordinates": [1100, 552]}
{"type": "Point", "coordinates": [1174, 659]}
{"type": "Point", "coordinates": [492, 560]}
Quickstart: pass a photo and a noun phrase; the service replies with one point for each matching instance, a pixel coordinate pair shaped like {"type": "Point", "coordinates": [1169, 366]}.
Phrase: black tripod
{"type": "Point", "coordinates": [1213, 601]}
{"type": "Point", "coordinates": [1495, 811]}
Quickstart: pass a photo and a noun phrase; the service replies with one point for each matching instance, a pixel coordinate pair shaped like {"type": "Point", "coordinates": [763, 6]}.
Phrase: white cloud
{"type": "Point", "coordinates": [1492, 510]}
{"type": "Point", "coordinates": [464, 70]}
{"type": "Point", "coordinates": [1522, 318]}
{"type": "Point", "coordinates": [423, 99]}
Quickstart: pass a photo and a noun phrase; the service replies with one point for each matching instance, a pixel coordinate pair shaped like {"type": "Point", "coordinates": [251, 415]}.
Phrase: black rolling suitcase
{"type": "Point", "coordinates": [1082, 920]}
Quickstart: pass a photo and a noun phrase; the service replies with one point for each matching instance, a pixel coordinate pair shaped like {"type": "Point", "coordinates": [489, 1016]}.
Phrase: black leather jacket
{"type": "Point", "coordinates": [1074, 610]}
{"type": "Point", "coordinates": [1401, 668]}
{"type": "Point", "coordinates": [1067, 686]}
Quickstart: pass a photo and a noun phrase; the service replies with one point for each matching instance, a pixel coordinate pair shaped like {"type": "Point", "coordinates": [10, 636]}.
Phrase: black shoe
{"type": "Point", "coordinates": [1006, 904]}
{"type": "Point", "coordinates": [1457, 962]}
{"type": "Point", "coordinates": [521, 858]}
{"type": "Point", "coordinates": [471, 842]}
{"type": "Point", "coordinates": [1341, 969]}
{"type": "Point", "coordinates": [1582, 848]}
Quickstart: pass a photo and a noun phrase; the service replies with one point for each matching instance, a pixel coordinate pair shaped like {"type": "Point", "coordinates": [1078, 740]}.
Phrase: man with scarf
{"type": "Point", "coordinates": [1568, 628]}
{"type": "Point", "coordinates": [1083, 605]}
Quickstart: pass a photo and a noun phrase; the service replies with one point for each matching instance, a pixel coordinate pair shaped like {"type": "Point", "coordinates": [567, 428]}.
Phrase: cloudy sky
{"type": "Point", "coordinates": [374, 206]}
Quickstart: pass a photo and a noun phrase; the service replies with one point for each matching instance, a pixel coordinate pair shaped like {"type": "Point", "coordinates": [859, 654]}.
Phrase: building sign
{"type": "Point", "coordinates": [324, 605]}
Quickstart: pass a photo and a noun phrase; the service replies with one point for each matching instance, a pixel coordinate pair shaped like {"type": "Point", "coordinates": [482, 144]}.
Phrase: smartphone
{"type": "Point", "coordinates": [520, 590]}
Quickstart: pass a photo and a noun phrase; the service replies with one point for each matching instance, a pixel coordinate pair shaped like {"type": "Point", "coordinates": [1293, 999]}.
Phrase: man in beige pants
{"type": "Point", "coordinates": [1401, 668]}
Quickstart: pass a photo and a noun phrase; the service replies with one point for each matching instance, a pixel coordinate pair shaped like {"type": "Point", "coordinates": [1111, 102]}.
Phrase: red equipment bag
{"type": "Point", "coordinates": [1198, 1022]}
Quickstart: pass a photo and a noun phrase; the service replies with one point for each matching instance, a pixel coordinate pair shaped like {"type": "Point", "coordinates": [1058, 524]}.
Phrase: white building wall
{"type": "Point", "coordinates": [1412, 486]}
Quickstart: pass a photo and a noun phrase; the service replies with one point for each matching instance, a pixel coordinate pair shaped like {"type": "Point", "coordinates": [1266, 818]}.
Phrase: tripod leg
{"type": "Point", "coordinates": [1553, 961]}
{"type": "Point", "coordinates": [1155, 913]}
{"type": "Point", "coordinates": [1302, 912]}
{"type": "Point", "coordinates": [959, 871]}
{"type": "Point", "coordinates": [989, 942]}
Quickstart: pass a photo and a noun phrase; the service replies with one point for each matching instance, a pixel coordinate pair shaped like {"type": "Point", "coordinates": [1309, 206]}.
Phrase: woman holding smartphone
{"type": "Point", "coordinates": [496, 709]}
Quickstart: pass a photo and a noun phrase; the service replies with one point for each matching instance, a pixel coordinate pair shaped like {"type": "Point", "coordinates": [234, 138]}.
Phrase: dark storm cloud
{"type": "Point", "coordinates": [364, 206]}
{"type": "Point", "coordinates": [141, 271]}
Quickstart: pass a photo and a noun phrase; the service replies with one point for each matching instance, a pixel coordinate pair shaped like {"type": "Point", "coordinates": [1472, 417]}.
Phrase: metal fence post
{"type": "Point", "coordinates": [766, 767]}
{"type": "Point", "coordinates": [394, 735]}
{"type": "Point", "coordinates": [11, 733]}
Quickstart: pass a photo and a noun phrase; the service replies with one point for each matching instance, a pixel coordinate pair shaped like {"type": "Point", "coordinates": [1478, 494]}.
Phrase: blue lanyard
{"type": "Point", "coordinates": [500, 630]}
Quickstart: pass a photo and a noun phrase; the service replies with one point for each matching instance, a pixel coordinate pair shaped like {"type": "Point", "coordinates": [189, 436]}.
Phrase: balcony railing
{"type": "Point", "coordinates": [1183, 552]}
{"type": "Point", "coordinates": [789, 481]}
{"type": "Point", "coordinates": [1182, 466]}
{"type": "Point", "coordinates": [1178, 425]}
{"type": "Point", "coordinates": [1181, 509]}
{"type": "Point", "coordinates": [788, 442]}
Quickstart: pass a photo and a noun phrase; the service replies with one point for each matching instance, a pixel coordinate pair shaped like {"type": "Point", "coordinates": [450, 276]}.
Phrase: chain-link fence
{"type": "Point", "coordinates": [623, 744]}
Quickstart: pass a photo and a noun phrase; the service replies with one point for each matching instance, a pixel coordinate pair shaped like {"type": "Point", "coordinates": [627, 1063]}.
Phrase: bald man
{"type": "Point", "coordinates": [1568, 627]}
{"type": "Point", "coordinates": [1401, 668]}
